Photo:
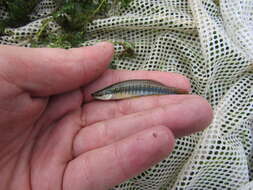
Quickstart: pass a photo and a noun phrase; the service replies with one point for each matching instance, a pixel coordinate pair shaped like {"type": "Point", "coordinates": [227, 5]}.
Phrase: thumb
{"type": "Point", "coordinates": [48, 71]}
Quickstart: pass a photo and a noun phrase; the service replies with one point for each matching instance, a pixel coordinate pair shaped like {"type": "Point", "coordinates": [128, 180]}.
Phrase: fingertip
{"type": "Point", "coordinates": [90, 61]}
{"type": "Point", "coordinates": [185, 82]}
{"type": "Point", "coordinates": [191, 115]}
{"type": "Point", "coordinates": [107, 45]}
{"type": "Point", "coordinates": [157, 143]}
{"type": "Point", "coordinates": [206, 110]}
{"type": "Point", "coordinates": [202, 111]}
{"type": "Point", "coordinates": [154, 144]}
{"type": "Point", "coordinates": [160, 131]}
{"type": "Point", "coordinates": [101, 53]}
{"type": "Point", "coordinates": [106, 49]}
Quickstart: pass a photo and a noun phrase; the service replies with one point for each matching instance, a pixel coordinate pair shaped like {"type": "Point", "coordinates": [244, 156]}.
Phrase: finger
{"type": "Point", "coordinates": [96, 111]}
{"type": "Point", "coordinates": [103, 168]}
{"type": "Point", "coordinates": [112, 76]}
{"type": "Point", "coordinates": [44, 71]}
{"type": "Point", "coordinates": [189, 116]}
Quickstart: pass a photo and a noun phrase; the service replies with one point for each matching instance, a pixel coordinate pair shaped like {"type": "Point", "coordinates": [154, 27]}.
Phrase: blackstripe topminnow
{"type": "Point", "coordinates": [135, 88]}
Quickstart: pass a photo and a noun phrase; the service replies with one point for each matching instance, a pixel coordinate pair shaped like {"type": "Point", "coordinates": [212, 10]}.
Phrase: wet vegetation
{"type": "Point", "coordinates": [73, 17]}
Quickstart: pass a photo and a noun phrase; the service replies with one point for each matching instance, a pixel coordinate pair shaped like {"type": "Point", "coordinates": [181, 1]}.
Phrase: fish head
{"type": "Point", "coordinates": [102, 95]}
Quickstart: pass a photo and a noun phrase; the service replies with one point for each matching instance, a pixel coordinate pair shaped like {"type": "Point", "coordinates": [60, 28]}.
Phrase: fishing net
{"type": "Point", "coordinates": [210, 42]}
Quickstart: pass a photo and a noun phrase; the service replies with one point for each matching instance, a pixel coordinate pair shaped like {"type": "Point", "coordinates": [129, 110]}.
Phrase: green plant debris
{"type": "Point", "coordinates": [59, 40]}
{"type": "Point", "coordinates": [73, 17]}
{"type": "Point", "coordinates": [18, 10]}
{"type": "Point", "coordinates": [128, 49]}
{"type": "Point", "coordinates": [217, 2]}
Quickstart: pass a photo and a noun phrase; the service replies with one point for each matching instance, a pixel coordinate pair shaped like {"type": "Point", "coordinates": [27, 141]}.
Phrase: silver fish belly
{"type": "Point", "coordinates": [135, 88]}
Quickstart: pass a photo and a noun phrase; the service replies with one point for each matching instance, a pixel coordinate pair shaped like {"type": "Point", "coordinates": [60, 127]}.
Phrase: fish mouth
{"type": "Point", "coordinates": [93, 94]}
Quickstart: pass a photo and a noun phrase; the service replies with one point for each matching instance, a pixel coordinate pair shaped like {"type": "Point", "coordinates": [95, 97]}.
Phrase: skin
{"type": "Point", "coordinates": [53, 135]}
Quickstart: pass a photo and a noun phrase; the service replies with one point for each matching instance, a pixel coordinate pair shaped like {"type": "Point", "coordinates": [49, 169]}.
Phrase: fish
{"type": "Point", "coordinates": [135, 88]}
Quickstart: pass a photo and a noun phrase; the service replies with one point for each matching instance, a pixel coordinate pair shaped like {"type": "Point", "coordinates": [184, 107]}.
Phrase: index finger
{"type": "Point", "coordinates": [114, 76]}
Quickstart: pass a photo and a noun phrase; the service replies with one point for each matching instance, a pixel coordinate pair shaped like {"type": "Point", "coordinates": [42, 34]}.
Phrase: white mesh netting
{"type": "Point", "coordinates": [210, 42]}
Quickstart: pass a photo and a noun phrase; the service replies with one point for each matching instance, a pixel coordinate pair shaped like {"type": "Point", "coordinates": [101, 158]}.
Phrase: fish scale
{"type": "Point", "coordinates": [135, 88]}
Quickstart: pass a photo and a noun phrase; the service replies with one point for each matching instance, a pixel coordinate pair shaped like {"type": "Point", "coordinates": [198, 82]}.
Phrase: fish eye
{"type": "Point", "coordinates": [100, 95]}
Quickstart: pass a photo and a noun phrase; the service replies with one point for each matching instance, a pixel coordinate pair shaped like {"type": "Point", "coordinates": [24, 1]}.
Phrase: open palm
{"type": "Point", "coordinates": [53, 135]}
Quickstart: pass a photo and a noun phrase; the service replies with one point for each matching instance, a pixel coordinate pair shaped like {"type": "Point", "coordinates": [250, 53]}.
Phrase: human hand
{"type": "Point", "coordinates": [54, 136]}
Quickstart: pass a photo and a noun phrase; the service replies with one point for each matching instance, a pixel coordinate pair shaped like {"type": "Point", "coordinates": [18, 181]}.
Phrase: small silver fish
{"type": "Point", "coordinates": [135, 88]}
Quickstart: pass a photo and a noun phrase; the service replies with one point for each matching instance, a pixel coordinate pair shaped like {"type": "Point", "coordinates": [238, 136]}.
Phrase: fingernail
{"type": "Point", "coordinates": [101, 44]}
{"type": "Point", "coordinates": [190, 90]}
